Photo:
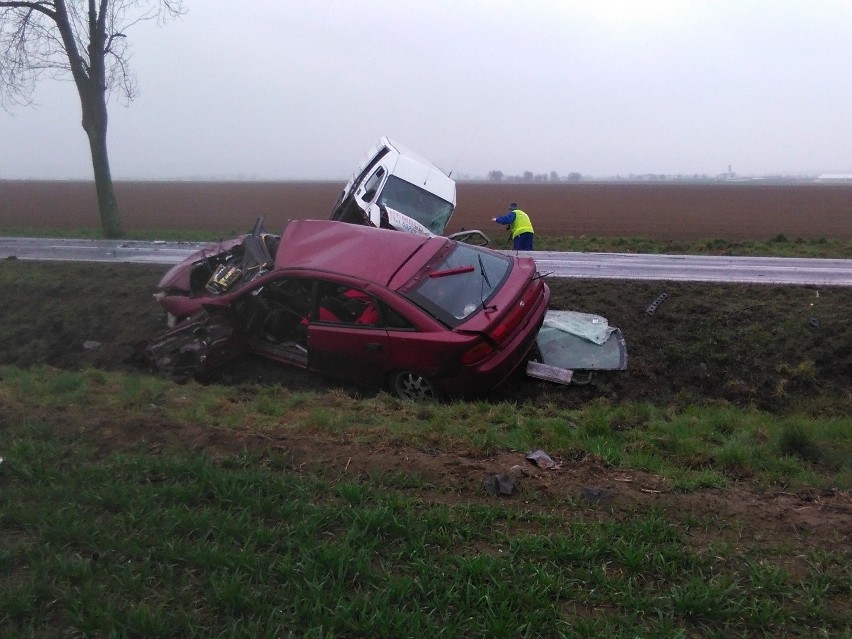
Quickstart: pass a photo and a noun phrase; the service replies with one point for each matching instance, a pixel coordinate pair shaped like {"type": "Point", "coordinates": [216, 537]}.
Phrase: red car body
{"type": "Point", "coordinates": [420, 316]}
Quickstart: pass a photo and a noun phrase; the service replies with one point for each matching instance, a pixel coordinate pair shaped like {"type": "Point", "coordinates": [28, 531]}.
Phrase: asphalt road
{"type": "Point", "coordinates": [685, 268]}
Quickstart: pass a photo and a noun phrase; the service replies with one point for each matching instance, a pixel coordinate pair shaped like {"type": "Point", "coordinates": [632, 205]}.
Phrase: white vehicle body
{"type": "Point", "coordinates": [396, 188]}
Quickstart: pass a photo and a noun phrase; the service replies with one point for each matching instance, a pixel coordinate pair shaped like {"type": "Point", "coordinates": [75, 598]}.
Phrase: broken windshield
{"type": "Point", "coordinates": [455, 288]}
{"type": "Point", "coordinates": [424, 207]}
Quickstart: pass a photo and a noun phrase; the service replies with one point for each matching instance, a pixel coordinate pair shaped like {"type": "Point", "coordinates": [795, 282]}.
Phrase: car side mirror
{"type": "Point", "coordinates": [369, 195]}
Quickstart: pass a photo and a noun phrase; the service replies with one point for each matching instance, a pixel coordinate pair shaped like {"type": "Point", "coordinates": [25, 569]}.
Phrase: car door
{"type": "Point", "coordinates": [347, 336]}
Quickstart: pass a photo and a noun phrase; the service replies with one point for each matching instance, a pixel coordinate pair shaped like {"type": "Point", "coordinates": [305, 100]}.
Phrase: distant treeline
{"type": "Point", "coordinates": [574, 176]}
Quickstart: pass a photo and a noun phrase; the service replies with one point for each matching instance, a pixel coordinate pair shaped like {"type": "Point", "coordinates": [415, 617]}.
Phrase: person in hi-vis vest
{"type": "Point", "coordinates": [520, 225]}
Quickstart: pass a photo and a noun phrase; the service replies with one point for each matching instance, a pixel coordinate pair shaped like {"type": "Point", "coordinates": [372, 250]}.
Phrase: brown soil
{"type": "Point", "coordinates": [673, 211]}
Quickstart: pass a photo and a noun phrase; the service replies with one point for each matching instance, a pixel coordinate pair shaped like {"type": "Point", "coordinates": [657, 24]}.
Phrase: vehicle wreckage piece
{"type": "Point", "coordinates": [203, 342]}
{"type": "Point", "coordinates": [215, 270]}
{"type": "Point", "coordinates": [570, 341]}
{"type": "Point", "coordinates": [395, 188]}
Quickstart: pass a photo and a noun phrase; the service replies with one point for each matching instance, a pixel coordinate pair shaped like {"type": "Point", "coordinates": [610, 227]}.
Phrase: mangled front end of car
{"type": "Point", "coordinates": [216, 270]}
{"type": "Point", "coordinates": [195, 346]}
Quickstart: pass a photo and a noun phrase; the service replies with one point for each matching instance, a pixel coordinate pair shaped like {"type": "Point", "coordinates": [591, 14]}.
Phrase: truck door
{"type": "Point", "coordinates": [367, 195]}
{"type": "Point", "coordinates": [352, 206]}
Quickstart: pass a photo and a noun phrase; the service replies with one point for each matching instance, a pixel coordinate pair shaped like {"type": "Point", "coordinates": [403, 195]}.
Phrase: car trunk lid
{"type": "Point", "coordinates": [569, 342]}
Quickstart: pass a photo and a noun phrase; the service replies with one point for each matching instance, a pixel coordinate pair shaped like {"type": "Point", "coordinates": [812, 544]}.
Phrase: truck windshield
{"type": "Point", "coordinates": [424, 207]}
{"type": "Point", "coordinates": [460, 284]}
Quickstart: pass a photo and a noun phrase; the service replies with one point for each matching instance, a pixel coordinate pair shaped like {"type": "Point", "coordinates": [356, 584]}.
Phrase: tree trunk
{"type": "Point", "coordinates": [107, 205]}
{"type": "Point", "coordinates": [95, 125]}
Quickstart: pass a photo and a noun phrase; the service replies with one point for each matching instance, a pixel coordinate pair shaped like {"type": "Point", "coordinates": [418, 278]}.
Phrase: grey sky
{"type": "Point", "coordinates": [292, 90]}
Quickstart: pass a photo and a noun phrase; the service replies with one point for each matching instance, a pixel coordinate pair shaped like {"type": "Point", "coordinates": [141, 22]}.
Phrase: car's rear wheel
{"type": "Point", "coordinates": [413, 387]}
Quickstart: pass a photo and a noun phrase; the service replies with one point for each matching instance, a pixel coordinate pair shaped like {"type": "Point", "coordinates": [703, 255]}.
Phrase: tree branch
{"type": "Point", "coordinates": [42, 7]}
{"type": "Point", "coordinates": [84, 37]}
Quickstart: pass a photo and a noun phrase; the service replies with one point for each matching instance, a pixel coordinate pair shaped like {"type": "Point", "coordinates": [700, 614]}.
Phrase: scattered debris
{"type": "Point", "coordinates": [570, 342]}
{"type": "Point", "coordinates": [814, 322]}
{"type": "Point", "coordinates": [550, 373]}
{"type": "Point", "coordinates": [517, 470]}
{"type": "Point", "coordinates": [542, 460]}
{"type": "Point", "coordinates": [499, 485]}
{"type": "Point", "coordinates": [653, 306]}
{"type": "Point", "coordinates": [90, 345]}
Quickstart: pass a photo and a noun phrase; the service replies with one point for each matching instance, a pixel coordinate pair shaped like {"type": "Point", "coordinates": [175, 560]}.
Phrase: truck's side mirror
{"type": "Point", "coordinates": [369, 195]}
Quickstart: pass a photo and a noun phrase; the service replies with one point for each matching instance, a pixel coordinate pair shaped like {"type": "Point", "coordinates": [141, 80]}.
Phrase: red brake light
{"type": "Point", "coordinates": [477, 353]}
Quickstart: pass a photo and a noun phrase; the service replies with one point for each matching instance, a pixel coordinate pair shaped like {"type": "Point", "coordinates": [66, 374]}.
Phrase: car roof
{"type": "Point", "coordinates": [364, 252]}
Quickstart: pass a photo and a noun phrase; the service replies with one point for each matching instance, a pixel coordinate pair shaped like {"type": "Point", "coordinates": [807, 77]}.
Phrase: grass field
{"type": "Point", "coordinates": [159, 543]}
{"type": "Point", "coordinates": [702, 493]}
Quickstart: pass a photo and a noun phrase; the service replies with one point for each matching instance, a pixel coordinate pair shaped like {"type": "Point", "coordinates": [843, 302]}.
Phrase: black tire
{"type": "Point", "coordinates": [413, 387]}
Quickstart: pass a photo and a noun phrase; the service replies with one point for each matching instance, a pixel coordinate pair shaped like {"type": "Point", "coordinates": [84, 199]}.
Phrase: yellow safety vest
{"type": "Point", "coordinates": [521, 224]}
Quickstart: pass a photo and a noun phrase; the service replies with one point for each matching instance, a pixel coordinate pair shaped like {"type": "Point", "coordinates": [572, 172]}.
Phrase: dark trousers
{"type": "Point", "coordinates": [523, 242]}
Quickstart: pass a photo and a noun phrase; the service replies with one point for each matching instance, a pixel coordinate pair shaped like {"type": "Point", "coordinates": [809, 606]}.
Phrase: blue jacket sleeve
{"type": "Point", "coordinates": [506, 219]}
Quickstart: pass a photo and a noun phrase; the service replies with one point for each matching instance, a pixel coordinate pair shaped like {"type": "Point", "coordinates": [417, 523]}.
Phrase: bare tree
{"type": "Point", "coordinates": [86, 39]}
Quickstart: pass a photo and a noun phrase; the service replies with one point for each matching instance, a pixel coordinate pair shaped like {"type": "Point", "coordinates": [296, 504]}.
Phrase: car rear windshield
{"type": "Point", "coordinates": [459, 283]}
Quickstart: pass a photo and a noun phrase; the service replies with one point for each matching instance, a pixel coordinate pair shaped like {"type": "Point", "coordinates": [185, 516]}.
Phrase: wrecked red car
{"type": "Point", "coordinates": [423, 317]}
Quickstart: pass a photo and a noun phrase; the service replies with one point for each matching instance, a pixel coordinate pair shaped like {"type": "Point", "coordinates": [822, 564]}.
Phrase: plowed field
{"type": "Point", "coordinates": [673, 211]}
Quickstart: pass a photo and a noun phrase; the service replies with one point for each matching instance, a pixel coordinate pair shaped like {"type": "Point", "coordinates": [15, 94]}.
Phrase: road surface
{"type": "Point", "coordinates": [684, 268]}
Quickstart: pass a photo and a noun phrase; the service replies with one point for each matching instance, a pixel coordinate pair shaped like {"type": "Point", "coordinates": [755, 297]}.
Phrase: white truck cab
{"type": "Point", "coordinates": [398, 189]}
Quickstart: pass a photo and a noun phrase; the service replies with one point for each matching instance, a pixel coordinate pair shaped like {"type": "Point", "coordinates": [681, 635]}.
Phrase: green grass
{"type": "Point", "coordinates": [182, 544]}
{"type": "Point", "coordinates": [697, 446]}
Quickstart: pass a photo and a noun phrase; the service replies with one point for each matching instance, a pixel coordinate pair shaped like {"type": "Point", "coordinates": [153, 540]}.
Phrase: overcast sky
{"type": "Point", "coordinates": [274, 89]}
